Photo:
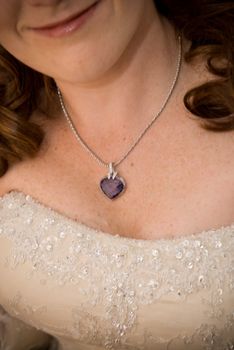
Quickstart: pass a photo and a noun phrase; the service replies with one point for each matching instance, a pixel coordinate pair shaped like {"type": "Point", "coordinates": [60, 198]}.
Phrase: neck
{"type": "Point", "coordinates": [125, 99]}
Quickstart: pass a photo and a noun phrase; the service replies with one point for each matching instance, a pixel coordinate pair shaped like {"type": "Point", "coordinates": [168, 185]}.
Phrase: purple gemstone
{"type": "Point", "coordinates": [112, 187]}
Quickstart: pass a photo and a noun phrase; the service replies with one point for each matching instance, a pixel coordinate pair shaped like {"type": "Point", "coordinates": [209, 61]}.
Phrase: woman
{"type": "Point", "coordinates": [116, 160]}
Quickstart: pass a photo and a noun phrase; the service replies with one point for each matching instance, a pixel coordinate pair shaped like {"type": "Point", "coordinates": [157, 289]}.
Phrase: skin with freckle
{"type": "Point", "coordinates": [111, 100]}
{"type": "Point", "coordinates": [151, 269]}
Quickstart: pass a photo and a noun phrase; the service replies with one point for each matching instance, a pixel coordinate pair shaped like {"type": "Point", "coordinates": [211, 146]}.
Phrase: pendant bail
{"type": "Point", "coordinates": [112, 173]}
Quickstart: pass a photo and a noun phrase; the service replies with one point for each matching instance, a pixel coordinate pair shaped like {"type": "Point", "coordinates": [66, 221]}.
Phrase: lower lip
{"type": "Point", "coordinates": [70, 26]}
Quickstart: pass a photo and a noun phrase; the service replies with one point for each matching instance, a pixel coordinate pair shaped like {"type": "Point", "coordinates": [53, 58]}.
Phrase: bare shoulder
{"type": "Point", "coordinates": [9, 181]}
{"type": "Point", "coordinates": [4, 184]}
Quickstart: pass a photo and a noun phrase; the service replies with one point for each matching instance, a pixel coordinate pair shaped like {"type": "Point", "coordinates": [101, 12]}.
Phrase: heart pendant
{"type": "Point", "coordinates": [112, 186]}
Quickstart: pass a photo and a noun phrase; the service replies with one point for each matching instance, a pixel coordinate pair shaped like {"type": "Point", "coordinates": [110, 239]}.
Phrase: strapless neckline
{"type": "Point", "coordinates": [22, 196]}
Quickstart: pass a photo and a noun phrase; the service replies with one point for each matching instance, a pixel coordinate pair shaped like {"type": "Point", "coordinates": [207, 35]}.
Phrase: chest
{"type": "Point", "coordinates": [176, 184]}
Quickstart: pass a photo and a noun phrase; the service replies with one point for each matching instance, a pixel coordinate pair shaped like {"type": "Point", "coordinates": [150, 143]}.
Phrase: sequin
{"type": "Point", "coordinates": [116, 285]}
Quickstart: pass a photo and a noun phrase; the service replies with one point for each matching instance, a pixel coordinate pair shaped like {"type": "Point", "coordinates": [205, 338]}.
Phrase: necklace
{"type": "Point", "coordinates": [113, 185]}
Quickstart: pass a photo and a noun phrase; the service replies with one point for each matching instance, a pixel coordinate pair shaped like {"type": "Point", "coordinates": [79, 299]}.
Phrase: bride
{"type": "Point", "coordinates": [116, 174]}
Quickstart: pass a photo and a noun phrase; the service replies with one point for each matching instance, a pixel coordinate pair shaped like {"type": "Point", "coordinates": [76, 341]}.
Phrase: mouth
{"type": "Point", "coordinates": [67, 25]}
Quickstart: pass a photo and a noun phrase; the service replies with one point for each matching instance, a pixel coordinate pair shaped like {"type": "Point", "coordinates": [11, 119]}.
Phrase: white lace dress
{"type": "Point", "coordinates": [90, 290]}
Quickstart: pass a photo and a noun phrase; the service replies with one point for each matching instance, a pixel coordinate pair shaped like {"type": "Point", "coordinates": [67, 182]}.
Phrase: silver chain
{"type": "Point", "coordinates": [92, 153]}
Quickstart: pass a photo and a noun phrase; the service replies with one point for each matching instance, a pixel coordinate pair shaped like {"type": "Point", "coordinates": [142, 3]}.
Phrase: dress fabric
{"type": "Point", "coordinates": [67, 286]}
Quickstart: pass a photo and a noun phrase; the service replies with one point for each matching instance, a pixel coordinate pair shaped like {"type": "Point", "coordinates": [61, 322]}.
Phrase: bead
{"type": "Point", "coordinates": [29, 220]}
{"type": "Point", "coordinates": [218, 244]}
{"type": "Point", "coordinates": [179, 255]}
{"type": "Point", "coordinates": [113, 278]}
{"type": "Point", "coordinates": [190, 265]}
{"type": "Point", "coordinates": [152, 283]}
{"type": "Point", "coordinates": [62, 234]}
{"type": "Point", "coordinates": [186, 243]}
{"type": "Point", "coordinates": [155, 252]}
{"type": "Point", "coordinates": [197, 243]}
{"type": "Point", "coordinates": [201, 278]}
{"type": "Point", "coordinates": [49, 247]}
{"type": "Point", "coordinates": [140, 258]}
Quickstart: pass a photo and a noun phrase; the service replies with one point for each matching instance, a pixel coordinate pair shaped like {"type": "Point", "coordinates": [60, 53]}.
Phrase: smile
{"type": "Point", "coordinates": [68, 25]}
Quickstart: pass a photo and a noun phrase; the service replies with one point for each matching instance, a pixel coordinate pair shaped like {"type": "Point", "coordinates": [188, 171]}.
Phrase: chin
{"type": "Point", "coordinates": [87, 63]}
{"type": "Point", "coordinates": [87, 55]}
